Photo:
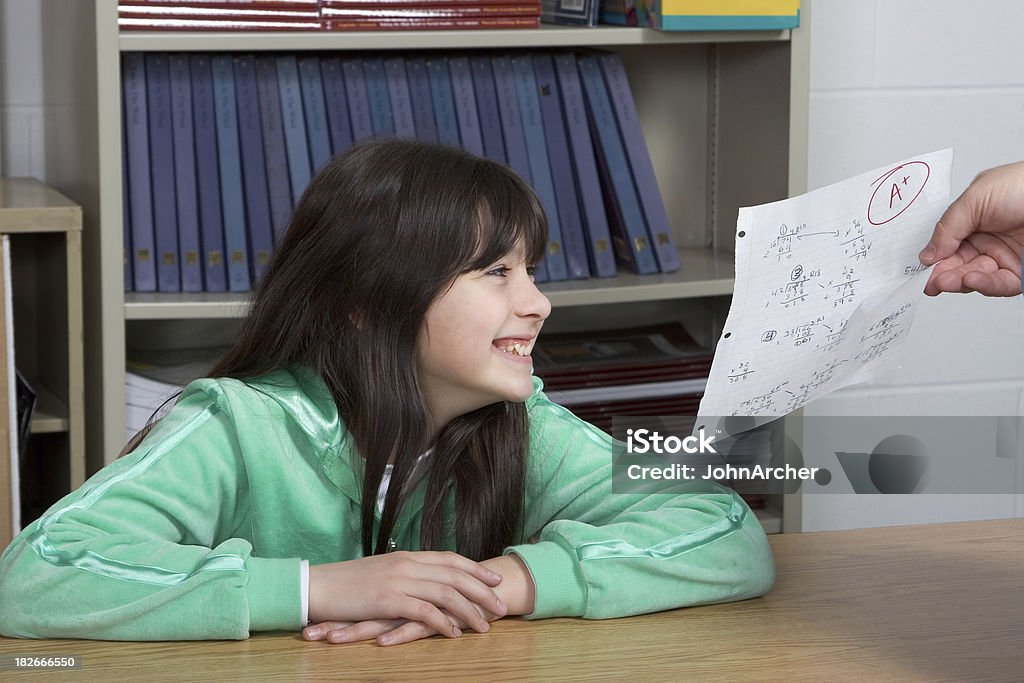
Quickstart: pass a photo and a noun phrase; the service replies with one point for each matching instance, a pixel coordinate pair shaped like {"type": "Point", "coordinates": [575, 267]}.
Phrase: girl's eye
{"type": "Point", "coordinates": [531, 271]}
{"type": "Point", "coordinates": [500, 271]}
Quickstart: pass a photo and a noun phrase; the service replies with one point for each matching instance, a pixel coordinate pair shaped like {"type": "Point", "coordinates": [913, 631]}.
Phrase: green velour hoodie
{"type": "Point", "coordinates": [199, 533]}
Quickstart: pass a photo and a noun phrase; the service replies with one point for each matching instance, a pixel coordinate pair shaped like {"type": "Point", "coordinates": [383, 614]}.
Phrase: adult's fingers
{"type": "Point", "coordinates": [959, 220]}
{"type": "Point", "coordinates": [999, 283]}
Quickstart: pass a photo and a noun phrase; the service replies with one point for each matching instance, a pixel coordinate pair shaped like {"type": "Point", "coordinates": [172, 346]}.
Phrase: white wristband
{"type": "Point", "coordinates": [304, 580]}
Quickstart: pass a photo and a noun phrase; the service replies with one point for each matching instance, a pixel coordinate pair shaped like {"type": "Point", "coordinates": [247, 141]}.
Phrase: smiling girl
{"type": "Point", "coordinates": [373, 458]}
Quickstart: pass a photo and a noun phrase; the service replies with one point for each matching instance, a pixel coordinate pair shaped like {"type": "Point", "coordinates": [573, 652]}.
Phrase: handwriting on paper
{"type": "Point", "coordinates": [826, 287]}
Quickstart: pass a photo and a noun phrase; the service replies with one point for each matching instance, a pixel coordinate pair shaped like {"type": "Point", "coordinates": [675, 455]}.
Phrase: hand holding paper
{"type": "Point", "coordinates": [826, 287]}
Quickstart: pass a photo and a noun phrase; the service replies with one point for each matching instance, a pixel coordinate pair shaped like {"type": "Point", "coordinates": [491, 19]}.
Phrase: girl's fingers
{"type": "Point", "coordinates": [319, 631]}
{"type": "Point", "coordinates": [452, 599]}
{"type": "Point", "coordinates": [363, 630]}
{"type": "Point", "coordinates": [456, 561]}
{"type": "Point", "coordinates": [427, 610]}
{"type": "Point", "coordinates": [406, 633]}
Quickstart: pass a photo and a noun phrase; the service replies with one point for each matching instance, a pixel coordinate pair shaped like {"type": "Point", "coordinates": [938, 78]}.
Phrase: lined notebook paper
{"type": "Point", "coordinates": [826, 288]}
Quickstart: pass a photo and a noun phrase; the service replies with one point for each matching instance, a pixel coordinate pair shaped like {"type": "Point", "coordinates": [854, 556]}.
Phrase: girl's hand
{"type": "Point", "coordinates": [386, 631]}
{"type": "Point", "coordinates": [409, 586]}
{"type": "Point", "coordinates": [515, 590]}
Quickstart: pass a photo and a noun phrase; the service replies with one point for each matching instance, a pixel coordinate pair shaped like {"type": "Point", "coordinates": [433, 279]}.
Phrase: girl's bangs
{"type": "Point", "coordinates": [506, 219]}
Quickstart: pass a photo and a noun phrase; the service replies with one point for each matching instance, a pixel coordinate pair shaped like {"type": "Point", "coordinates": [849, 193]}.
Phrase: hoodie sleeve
{"type": "Point", "coordinates": [601, 554]}
{"type": "Point", "coordinates": [153, 547]}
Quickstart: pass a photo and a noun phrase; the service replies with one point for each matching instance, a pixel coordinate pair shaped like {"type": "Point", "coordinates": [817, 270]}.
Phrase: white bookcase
{"type": "Point", "coordinates": [45, 232]}
{"type": "Point", "coordinates": [724, 115]}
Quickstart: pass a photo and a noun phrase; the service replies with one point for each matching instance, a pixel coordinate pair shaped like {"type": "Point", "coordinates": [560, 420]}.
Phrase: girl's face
{"type": "Point", "coordinates": [474, 347]}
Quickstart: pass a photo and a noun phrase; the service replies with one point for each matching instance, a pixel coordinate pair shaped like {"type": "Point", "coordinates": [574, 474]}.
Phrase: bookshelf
{"type": "Point", "coordinates": [724, 115]}
{"type": "Point", "coordinates": [45, 233]}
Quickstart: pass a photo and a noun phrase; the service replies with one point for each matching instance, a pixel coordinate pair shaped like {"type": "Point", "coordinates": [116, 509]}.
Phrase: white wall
{"type": "Point", "coordinates": [892, 79]}
{"type": "Point", "coordinates": [889, 79]}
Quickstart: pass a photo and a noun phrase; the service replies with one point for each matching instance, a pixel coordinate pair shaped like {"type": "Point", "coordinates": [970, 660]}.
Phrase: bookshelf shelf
{"type": "Point", "coordinates": [546, 36]}
{"type": "Point", "coordinates": [703, 274]}
{"type": "Point", "coordinates": [50, 415]}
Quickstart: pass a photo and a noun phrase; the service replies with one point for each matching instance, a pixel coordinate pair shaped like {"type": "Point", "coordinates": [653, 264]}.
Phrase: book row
{"type": "Point", "coordinates": [326, 15]}
{"type": "Point", "coordinates": [219, 147]}
{"type": "Point", "coordinates": [354, 15]}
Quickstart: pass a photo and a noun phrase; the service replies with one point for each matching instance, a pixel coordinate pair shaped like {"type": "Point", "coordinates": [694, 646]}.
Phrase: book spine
{"type": "Point", "coordinates": [316, 115]}
{"type": "Point", "coordinates": [126, 214]}
{"type": "Point", "coordinates": [419, 95]}
{"type": "Point", "coordinates": [293, 120]}
{"type": "Point", "coordinates": [208, 13]}
{"type": "Point", "coordinates": [189, 247]}
{"type": "Point", "coordinates": [487, 107]}
{"type": "Point", "coordinates": [444, 103]}
{"type": "Point", "coordinates": [588, 184]}
{"type": "Point", "coordinates": [640, 162]}
{"type": "Point", "coordinates": [208, 175]}
{"type": "Point", "coordinates": [335, 102]}
{"type": "Point", "coordinates": [512, 130]}
{"type": "Point", "coordinates": [380, 101]}
{"type": "Point", "coordinates": [561, 167]}
{"type": "Point", "coordinates": [430, 23]}
{"type": "Point", "coordinates": [133, 82]}
{"type": "Point", "coordinates": [199, 24]}
{"type": "Point", "coordinates": [428, 12]}
{"type": "Point", "coordinates": [398, 90]}
{"type": "Point", "coordinates": [358, 99]}
{"type": "Point", "coordinates": [540, 171]}
{"type": "Point", "coordinates": [254, 172]}
{"type": "Point", "coordinates": [269, 4]}
{"type": "Point", "coordinates": [278, 185]}
{"type": "Point", "coordinates": [511, 123]}
{"type": "Point", "coordinates": [228, 155]}
{"type": "Point", "coordinates": [465, 104]}
{"type": "Point", "coordinates": [625, 220]}
{"type": "Point", "coordinates": [379, 4]}
{"type": "Point", "coordinates": [161, 159]}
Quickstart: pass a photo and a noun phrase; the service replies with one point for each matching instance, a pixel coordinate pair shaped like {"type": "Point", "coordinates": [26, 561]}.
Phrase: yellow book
{"type": "Point", "coordinates": [766, 8]}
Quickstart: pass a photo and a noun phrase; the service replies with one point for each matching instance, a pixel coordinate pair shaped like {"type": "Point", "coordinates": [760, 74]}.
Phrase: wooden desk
{"type": "Point", "coordinates": [937, 602]}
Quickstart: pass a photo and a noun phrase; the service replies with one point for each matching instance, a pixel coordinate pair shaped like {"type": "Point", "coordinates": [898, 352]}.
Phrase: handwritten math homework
{"type": "Point", "coordinates": [826, 287]}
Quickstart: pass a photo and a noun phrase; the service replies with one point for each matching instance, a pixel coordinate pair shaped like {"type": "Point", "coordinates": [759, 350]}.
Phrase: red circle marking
{"type": "Point", "coordinates": [881, 183]}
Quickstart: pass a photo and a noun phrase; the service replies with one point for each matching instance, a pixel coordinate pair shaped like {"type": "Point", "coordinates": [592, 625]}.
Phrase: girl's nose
{"type": "Point", "coordinates": [533, 303]}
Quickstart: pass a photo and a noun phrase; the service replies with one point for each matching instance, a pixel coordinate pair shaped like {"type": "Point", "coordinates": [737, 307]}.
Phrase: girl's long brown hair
{"type": "Point", "coordinates": [377, 236]}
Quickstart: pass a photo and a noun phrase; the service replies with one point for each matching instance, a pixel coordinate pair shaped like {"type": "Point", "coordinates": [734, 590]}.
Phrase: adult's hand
{"type": "Point", "coordinates": [977, 244]}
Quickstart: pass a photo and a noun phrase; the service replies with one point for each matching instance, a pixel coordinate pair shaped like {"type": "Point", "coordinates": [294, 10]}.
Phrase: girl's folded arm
{"type": "Point", "coordinates": [151, 548]}
{"type": "Point", "coordinates": [601, 554]}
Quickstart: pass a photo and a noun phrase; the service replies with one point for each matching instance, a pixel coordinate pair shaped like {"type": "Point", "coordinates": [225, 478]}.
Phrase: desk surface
{"type": "Point", "coordinates": [935, 602]}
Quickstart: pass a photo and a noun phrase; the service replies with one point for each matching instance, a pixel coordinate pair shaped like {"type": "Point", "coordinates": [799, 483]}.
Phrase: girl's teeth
{"type": "Point", "coordinates": [517, 349]}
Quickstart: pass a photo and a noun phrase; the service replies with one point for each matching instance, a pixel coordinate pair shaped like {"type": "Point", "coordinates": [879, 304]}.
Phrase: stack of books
{"type": "Point", "coordinates": [641, 371]}
{"type": "Point", "coordinates": [703, 15]}
{"type": "Point", "coordinates": [414, 15]}
{"type": "Point", "coordinates": [155, 378]}
{"type": "Point", "coordinates": [218, 15]}
{"type": "Point", "coordinates": [219, 147]}
{"type": "Point", "coordinates": [327, 15]}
